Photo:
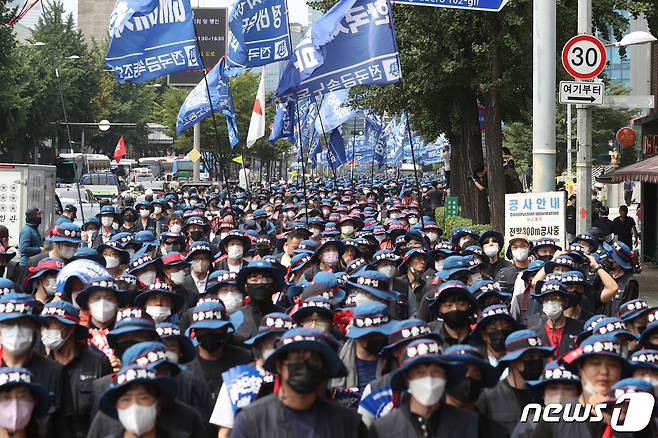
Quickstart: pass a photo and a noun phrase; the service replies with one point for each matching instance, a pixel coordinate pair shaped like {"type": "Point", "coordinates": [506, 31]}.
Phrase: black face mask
{"type": "Point", "coordinates": [532, 369]}
{"type": "Point", "coordinates": [545, 258]}
{"type": "Point", "coordinates": [34, 220]}
{"type": "Point", "coordinates": [196, 235]}
{"type": "Point", "coordinates": [374, 346]}
{"type": "Point", "coordinates": [129, 218]}
{"type": "Point", "coordinates": [263, 251]}
{"type": "Point", "coordinates": [578, 297]}
{"type": "Point", "coordinates": [497, 339]}
{"type": "Point", "coordinates": [260, 293]}
{"type": "Point", "coordinates": [211, 341]}
{"type": "Point", "coordinates": [304, 378]}
{"type": "Point", "coordinates": [467, 390]}
{"type": "Point", "coordinates": [457, 318]}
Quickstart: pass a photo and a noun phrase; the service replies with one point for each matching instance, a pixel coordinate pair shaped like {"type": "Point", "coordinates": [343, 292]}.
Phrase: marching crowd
{"type": "Point", "coordinates": [332, 311]}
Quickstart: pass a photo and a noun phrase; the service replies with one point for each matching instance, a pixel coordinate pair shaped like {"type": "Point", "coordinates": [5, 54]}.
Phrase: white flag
{"type": "Point", "coordinates": [257, 124]}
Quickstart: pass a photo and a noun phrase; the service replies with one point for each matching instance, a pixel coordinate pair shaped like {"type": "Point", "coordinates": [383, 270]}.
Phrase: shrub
{"type": "Point", "coordinates": [448, 224]}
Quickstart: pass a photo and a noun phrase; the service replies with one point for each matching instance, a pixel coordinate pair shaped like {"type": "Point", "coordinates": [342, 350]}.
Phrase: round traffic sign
{"type": "Point", "coordinates": [584, 57]}
{"type": "Point", "coordinates": [104, 125]}
{"type": "Point", "coordinates": [626, 137]}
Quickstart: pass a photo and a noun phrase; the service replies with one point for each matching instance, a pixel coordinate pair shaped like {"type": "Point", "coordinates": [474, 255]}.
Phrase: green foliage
{"type": "Point", "coordinates": [449, 224]}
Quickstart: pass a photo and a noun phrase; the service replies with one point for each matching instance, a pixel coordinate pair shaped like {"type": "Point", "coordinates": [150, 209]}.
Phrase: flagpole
{"type": "Point", "coordinates": [301, 153]}
{"type": "Point", "coordinates": [326, 142]}
{"type": "Point", "coordinates": [353, 147]}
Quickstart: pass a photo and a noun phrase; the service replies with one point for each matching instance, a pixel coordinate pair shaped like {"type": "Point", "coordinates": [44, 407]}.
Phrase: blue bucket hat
{"type": "Point", "coordinates": [65, 313]}
{"type": "Point", "coordinates": [631, 385]}
{"type": "Point", "coordinates": [469, 355]}
{"type": "Point", "coordinates": [588, 327]}
{"type": "Point", "coordinates": [543, 242]}
{"type": "Point", "coordinates": [596, 345]}
{"type": "Point", "coordinates": [587, 237]}
{"type": "Point", "coordinates": [306, 247]}
{"type": "Point", "coordinates": [129, 375]}
{"type": "Point", "coordinates": [142, 260]}
{"type": "Point", "coordinates": [445, 249]}
{"type": "Point", "coordinates": [632, 309]}
{"type": "Point", "coordinates": [108, 210]}
{"type": "Point", "coordinates": [67, 232]}
{"type": "Point", "coordinates": [405, 331]}
{"type": "Point", "coordinates": [300, 261]}
{"type": "Point", "coordinates": [425, 351]}
{"type": "Point", "coordinates": [409, 255]}
{"type": "Point", "coordinates": [7, 286]}
{"type": "Point", "coordinates": [124, 255]}
{"type": "Point", "coordinates": [552, 288]}
{"type": "Point", "coordinates": [562, 260]}
{"type": "Point", "coordinates": [494, 312]}
{"type": "Point", "coordinates": [356, 266]}
{"type": "Point", "coordinates": [450, 289]}
{"type": "Point", "coordinates": [168, 330]}
{"type": "Point", "coordinates": [646, 358]}
{"type": "Point", "coordinates": [615, 327]}
{"type": "Point", "coordinates": [458, 233]}
{"type": "Point", "coordinates": [276, 322]}
{"type": "Point", "coordinates": [311, 340]}
{"type": "Point", "coordinates": [620, 253]}
{"type": "Point", "coordinates": [324, 284]}
{"type": "Point", "coordinates": [385, 255]}
{"type": "Point", "coordinates": [370, 317]}
{"type": "Point", "coordinates": [453, 265]}
{"type": "Point", "coordinates": [209, 315]}
{"type": "Point", "coordinates": [14, 377]}
{"type": "Point", "coordinates": [128, 320]}
{"type": "Point", "coordinates": [375, 283]}
{"type": "Point", "coordinates": [315, 304]}
{"type": "Point", "coordinates": [483, 289]}
{"type": "Point", "coordinates": [261, 266]}
{"type": "Point", "coordinates": [107, 283]}
{"type": "Point", "coordinates": [162, 289]}
{"type": "Point", "coordinates": [146, 238]}
{"type": "Point", "coordinates": [16, 306]}
{"type": "Point", "coordinates": [125, 240]}
{"type": "Point", "coordinates": [198, 248]}
{"type": "Point", "coordinates": [218, 279]}
{"type": "Point", "coordinates": [650, 330]}
{"type": "Point", "coordinates": [150, 355]}
{"type": "Point", "coordinates": [533, 267]}
{"type": "Point", "coordinates": [492, 234]}
{"type": "Point", "coordinates": [554, 372]}
{"type": "Point", "coordinates": [520, 342]}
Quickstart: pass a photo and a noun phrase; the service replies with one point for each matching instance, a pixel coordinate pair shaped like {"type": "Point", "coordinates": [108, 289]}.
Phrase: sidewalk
{"type": "Point", "coordinates": [648, 284]}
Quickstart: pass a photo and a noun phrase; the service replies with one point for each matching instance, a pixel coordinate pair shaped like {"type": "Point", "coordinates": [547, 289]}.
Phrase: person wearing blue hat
{"type": "Point", "coordinates": [645, 365]}
{"type": "Point", "coordinates": [19, 324]}
{"type": "Point", "coordinates": [160, 302]}
{"type": "Point", "coordinates": [211, 329]}
{"type": "Point", "coordinates": [488, 293]}
{"type": "Point", "coordinates": [524, 358]}
{"type": "Point", "coordinates": [315, 312]}
{"type": "Point", "coordinates": [622, 267]}
{"type": "Point", "coordinates": [66, 241]}
{"type": "Point", "coordinates": [245, 384]}
{"type": "Point", "coordinates": [522, 306]}
{"type": "Point", "coordinates": [65, 340]}
{"type": "Point", "coordinates": [196, 229]}
{"type": "Point", "coordinates": [109, 219]}
{"type": "Point", "coordinates": [452, 309]}
{"type": "Point", "coordinates": [116, 258]}
{"type": "Point", "coordinates": [128, 216]}
{"type": "Point", "coordinates": [234, 248]}
{"type": "Point", "coordinates": [288, 249]}
{"type": "Point", "coordinates": [22, 403]}
{"type": "Point", "coordinates": [90, 228]}
{"type": "Point", "coordinates": [518, 251]}
{"type": "Point", "coordinates": [325, 285]}
{"type": "Point", "coordinates": [425, 375]}
{"type": "Point", "coordinates": [141, 403]}
{"type": "Point", "coordinates": [494, 326]}
{"type": "Point", "coordinates": [492, 243]}
{"type": "Point", "coordinates": [554, 327]}
{"type": "Point", "coordinates": [463, 237]}
{"type": "Point", "coordinates": [635, 314]}
{"type": "Point", "coordinates": [144, 221]}
{"type": "Point", "coordinates": [199, 257]}
{"type": "Point", "coordinates": [304, 360]}
{"type": "Point", "coordinates": [369, 285]}
{"type": "Point", "coordinates": [145, 267]}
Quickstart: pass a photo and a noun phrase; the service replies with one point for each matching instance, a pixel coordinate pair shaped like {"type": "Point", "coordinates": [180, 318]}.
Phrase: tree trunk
{"type": "Point", "coordinates": [466, 157]}
{"type": "Point", "coordinates": [494, 133]}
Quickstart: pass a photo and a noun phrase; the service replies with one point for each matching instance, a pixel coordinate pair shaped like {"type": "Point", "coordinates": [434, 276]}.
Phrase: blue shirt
{"type": "Point", "coordinates": [366, 371]}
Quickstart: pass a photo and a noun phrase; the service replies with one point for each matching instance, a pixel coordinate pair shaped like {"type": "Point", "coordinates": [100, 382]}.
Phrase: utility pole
{"type": "Point", "coordinates": [543, 95]}
{"type": "Point", "coordinates": [584, 139]}
{"type": "Point", "coordinates": [569, 150]}
{"type": "Point", "coordinates": [197, 147]}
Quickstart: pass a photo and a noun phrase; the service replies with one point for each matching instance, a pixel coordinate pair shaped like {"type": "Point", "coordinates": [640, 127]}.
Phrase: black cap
{"type": "Point", "coordinates": [71, 208]}
{"type": "Point", "coordinates": [32, 212]}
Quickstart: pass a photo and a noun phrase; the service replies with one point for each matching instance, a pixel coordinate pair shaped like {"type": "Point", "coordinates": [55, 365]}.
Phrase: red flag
{"type": "Point", "coordinates": [120, 150]}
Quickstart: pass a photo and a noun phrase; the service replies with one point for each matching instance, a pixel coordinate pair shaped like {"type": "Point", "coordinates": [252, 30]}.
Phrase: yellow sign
{"type": "Point", "coordinates": [194, 155]}
{"type": "Point", "coordinates": [238, 159]}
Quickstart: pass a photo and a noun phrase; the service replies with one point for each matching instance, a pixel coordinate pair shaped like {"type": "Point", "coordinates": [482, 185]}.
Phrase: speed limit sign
{"type": "Point", "coordinates": [584, 57]}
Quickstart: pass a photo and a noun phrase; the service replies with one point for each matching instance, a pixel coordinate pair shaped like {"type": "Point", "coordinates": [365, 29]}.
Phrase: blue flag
{"type": "Point", "coordinates": [259, 34]}
{"type": "Point", "coordinates": [333, 111]}
{"type": "Point", "coordinates": [284, 122]}
{"type": "Point", "coordinates": [352, 44]}
{"type": "Point", "coordinates": [375, 139]}
{"type": "Point", "coordinates": [307, 121]}
{"type": "Point", "coordinates": [197, 106]}
{"type": "Point", "coordinates": [151, 38]}
{"type": "Point", "coordinates": [336, 149]}
{"type": "Point", "coordinates": [232, 128]}
{"type": "Point", "coordinates": [315, 149]}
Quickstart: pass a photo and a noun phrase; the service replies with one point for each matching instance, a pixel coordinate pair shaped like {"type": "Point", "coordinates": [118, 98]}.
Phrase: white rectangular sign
{"type": "Point", "coordinates": [582, 93]}
{"type": "Point", "coordinates": [536, 215]}
{"type": "Point", "coordinates": [629, 102]}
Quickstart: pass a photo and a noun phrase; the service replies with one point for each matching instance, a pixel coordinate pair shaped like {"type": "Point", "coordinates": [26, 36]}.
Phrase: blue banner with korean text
{"type": "Point", "coordinates": [259, 34]}
{"type": "Point", "coordinates": [336, 149]}
{"type": "Point", "coordinates": [151, 38]}
{"type": "Point", "coordinates": [352, 44]}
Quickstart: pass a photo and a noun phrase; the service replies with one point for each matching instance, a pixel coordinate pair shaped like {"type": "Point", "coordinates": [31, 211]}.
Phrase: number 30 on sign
{"type": "Point", "coordinates": [584, 57]}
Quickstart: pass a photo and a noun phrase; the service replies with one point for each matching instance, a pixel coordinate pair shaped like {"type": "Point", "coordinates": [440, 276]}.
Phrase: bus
{"type": "Point", "coordinates": [153, 163]}
{"type": "Point", "coordinates": [71, 166]}
{"type": "Point", "coordinates": [183, 169]}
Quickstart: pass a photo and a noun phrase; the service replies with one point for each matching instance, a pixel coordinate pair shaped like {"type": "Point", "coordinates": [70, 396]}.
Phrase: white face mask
{"type": "Point", "coordinates": [17, 339]}
{"type": "Point", "coordinates": [144, 213]}
{"type": "Point", "coordinates": [172, 356]}
{"type": "Point", "coordinates": [177, 277]}
{"type": "Point", "coordinates": [157, 209]}
{"type": "Point", "coordinates": [138, 419]}
{"type": "Point", "coordinates": [147, 277]}
{"type": "Point", "coordinates": [347, 229]}
{"type": "Point", "coordinates": [16, 414]}
{"type": "Point", "coordinates": [232, 300]}
{"type": "Point", "coordinates": [175, 228]}
{"type": "Point", "coordinates": [559, 399]}
{"type": "Point", "coordinates": [432, 236]}
{"type": "Point", "coordinates": [107, 221]}
{"type": "Point", "coordinates": [290, 214]}
{"type": "Point", "coordinates": [52, 339]}
{"type": "Point", "coordinates": [520, 254]}
{"type": "Point", "coordinates": [413, 220]}
{"type": "Point", "coordinates": [235, 251]}
{"type": "Point", "coordinates": [389, 271]}
{"type": "Point", "coordinates": [111, 262]}
{"type": "Point", "coordinates": [326, 212]}
{"type": "Point", "coordinates": [67, 252]}
{"type": "Point", "coordinates": [463, 241]}
{"type": "Point", "coordinates": [103, 310]}
{"type": "Point", "coordinates": [438, 266]}
{"type": "Point", "coordinates": [491, 250]}
{"type": "Point", "coordinates": [330, 257]}
{"type": "Point", "coordinates": [315, 232]}
{"type": "Point", "coordinates": [427, 390]}
{"type": "Point", "coordinates": [115, 225]}
{"type": "Point", "coordinates": [50, 286]}
{"type": "Point", "coordinates": [194, 202]}
{"type": "Point", "coordinates": [200, 266]}
{"type": "Point", "coordinates": [158, 313]}
{"type": "Point", "coordinates": [552, 309]}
